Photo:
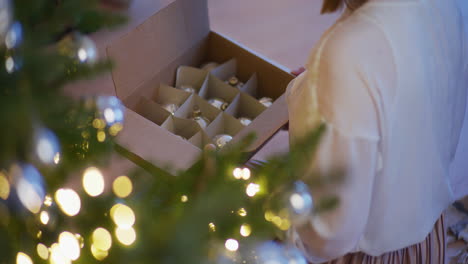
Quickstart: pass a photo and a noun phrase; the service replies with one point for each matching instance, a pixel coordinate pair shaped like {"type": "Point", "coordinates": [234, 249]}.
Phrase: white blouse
{"type": "Point", "coordinates": [390, 81]}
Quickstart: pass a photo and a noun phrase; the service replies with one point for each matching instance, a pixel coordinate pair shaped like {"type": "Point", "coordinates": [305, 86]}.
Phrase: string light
{"type": "Point", "coordinates": [80, 240]}
{"type": "Point", "coordinates": [48, 200]}
{"type": "Point", "coordinates": [68, 201]}
{"type": "Point", "coordinates": [122, 186]}
{"type": "Point", "coordinates": [122, 216]}
{"type": "Point", "coordinates": [245, 230]}
{"type": "Point", "coordinates": [42, 251]}
{"type": "Point", "coordinates": [57, 158]}
{"type": "Point", "coordinates": [252, 189]}
{"type": "Point", "coordinates": [237, 173]}
{"type": "Point", "coordinates": [44, 217]}
{"type": "Point", "coordinates": [184, 198]}
{"type": "Point", "coordinates": [212, 227]}
{"type": "Point", "coordinates": [99, 254]}
{"type": "Point", "coordinates": [245, 173]}
{"type": "Point", "coordinates": [125, 236]}
{"type": "Point", "coordinates": [231, 245]}
{"type": "Point", "coordinates": [4, 187]}
{"type": "Point", "coordinates": [101, 136]}
{"type": "Point", "coordinates": [102, 239]}
{"type": "Point", "coordinates": [242, 212]}
{"type": "Point", "coordinates": [93, 182]}
{"type": "Point", "coordinates": [22, 258]}
{"type": "Point", "coordinates": [57, 256]}
{"type": "Point", "coordinates": [69, 245]}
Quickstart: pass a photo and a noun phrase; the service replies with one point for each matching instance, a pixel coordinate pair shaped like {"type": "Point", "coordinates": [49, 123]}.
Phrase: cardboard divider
{"type": "Point", "coordinates": [181, 127]}
{"type": "Point", "coordinates": [191, 76]}
{"type": "Point", "coordinates": [201, 139]}
{"type": "Point", "coordinates": [216, 88]}
{"type": "Point", "coordinates": [225, 70]}
{"type": "Point", "coordinates": [245, 105]}
{"type": "Point", "coordinates": [186, 110]}
{"type": "Point", "coordinates": [251, 86]}
{"type": "Point", "coordinates": [224, 124]}
{"type": "Point", "coordinates": [166, 94]}
{"type": "Point", "coordinates": [152, 111]}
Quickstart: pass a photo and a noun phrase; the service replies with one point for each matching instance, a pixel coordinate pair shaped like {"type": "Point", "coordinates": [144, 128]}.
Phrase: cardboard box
{"type": "Point", "coordinates": [148, 62]}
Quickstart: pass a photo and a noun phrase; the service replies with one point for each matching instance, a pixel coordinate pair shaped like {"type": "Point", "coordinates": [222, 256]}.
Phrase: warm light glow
{"type": "Point", "coordinates": [269, 215]}
{"type": "Point", "coordinates": [184, 198]}
{"type": "Point", "coordinates": [98, 254]}
{"type": "Point", "coordinates": [237, 173]}
{"type": "Point", "coordinates": [48, 200]}
{"type": "Point", "coordinates": [212, 227]}
{"type": "Point", "coordinates": [28, 196]}
{"type": "Point", "coordinates": [297, 202]}
{"type": "Point", "coordinates": [99, 123]}
{"type": "Point", "coordinates": [122, 216]}
{"type": "Point", "coordinates": [115, 129]}
{"type": "Point", "coordinates": [285, 224]}
{"type": "Point", "coordinates": [22, 258]}
{"type": "Point", "coordinates": [44, 216]}
{"type": "Point", "coordinates": [102, 239]}
{"type": "Point", "coordinates": [252, 189]}
{"type": "Point", "coordinates": [39, 234]}
{"type": "Point", "coordinates": [125, 236]}
{"type": "Point", "coordinates": [42, 251]}
{"type": "Point", "coordinates": [245, 230]}
{"type": "Point", "coordinates": [80, 240]}
{"type": "Point", "coordinates": [109, 115]}
{"type": "Point", "coordinates": [231, 244]}
{"type": "Point", "coordinates": [69, 245]}
{"type": "Point", "coordinates": [82, 55]}
{"type": "Point", "coordinates": [242, 212]}
{"type": "Point", "coordinates": [277, 221]}
{"type": "Point", "coordinates": [57, 158]}
{"type": "Point", "coordinates": [4, 187]}
{"type": "Point", "coordinates": [246, 173]}
{"type": "Point", "coordinates": [122, 187]}
{"type": "Point", "coordinates": [68, 201]}
{"type": "Point", "coordinates": [93, 182]}
{"type": "Point", "coordinates": [57, 256]}
{"type": "Point", "coordinates": [101, 136]}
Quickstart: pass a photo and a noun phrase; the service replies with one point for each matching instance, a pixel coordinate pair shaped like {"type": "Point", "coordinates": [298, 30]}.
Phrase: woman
{"type": "Point", "coordinates": [390, 81]}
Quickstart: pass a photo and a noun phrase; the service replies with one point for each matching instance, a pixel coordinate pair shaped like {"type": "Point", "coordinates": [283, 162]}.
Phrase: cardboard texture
{"type": "Point", "coordinates": [162, 52]}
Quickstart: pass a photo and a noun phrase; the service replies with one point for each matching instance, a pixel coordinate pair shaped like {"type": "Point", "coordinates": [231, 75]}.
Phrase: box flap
{"type": "Point", "coordinates": [156, 43]}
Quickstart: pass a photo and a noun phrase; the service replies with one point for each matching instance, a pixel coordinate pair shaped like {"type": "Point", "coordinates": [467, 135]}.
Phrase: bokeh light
{"type": "Point", "coordinates": [57, 158]}
{"type": "Point", "coordinates": [242, 212]}
{"type": "Point", "coordinates": [99, 254]}
{"type": "Point", "coordinates": [68, 201]}
{"type": "Point", "coordinates": [29, 186]}
{"type": "Point", "coordinates": [44, 217]}
{"type": "Point", "coordinates": [122, 187]}
{"type": "Point", "coordinates": [246, 173]}
{"type": "Point", "coordinates": [80, 240]}
{"type": "Point", "coordinates": [184, 198]}
{"type": "Point", "coordinates": [48, 200]}
{"type": "Point", "coordinates": [47, 146]}
{"type": "Point", "coordinates": [252, 189]}
{"type": "Point", "coordinates": [231, 244]}
{"type": "Point", "coordinates": [57, 256]}
{"type": "Point", "coordinates": [42, 251]}
{"type": "Point", "coordinates": [102, 239]}
{"type": "Point", "coordinates": [237, 173]}
{"type": "Point", "coordinates": [22, 258]}
{"type": "Point", "coordinates": [4, 187]}
{"type": "Point", "coordinates": [69, 245]}
{"type": "Point", "coordinates": [123, 216]}
{"type": "Point", "coordinates": [212, 227]}
{"type": "Point", "coordinates": [101, 136]}
{"type": "Point", "coordinates": [245, 230]}
{"type": "Point", "coordinates": [93, 182]}
{"type": "Point", "coordinates": [126, 236]}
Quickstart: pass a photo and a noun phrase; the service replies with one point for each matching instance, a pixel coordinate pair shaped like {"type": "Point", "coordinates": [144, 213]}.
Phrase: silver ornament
{"type": "Point", "coordinates": [266, 101]}
{"type": "Point", "coordinates": [197, 115]}
{"type": "Point", "coordinates": [110, 109]}
{"type": "Point", "coordinates": [188, 88]}
{"type": "Point", "coordinates": [245, 121]}
{"type": "Point", "coordinates": [47, 146]}
{"type": "Point", "coordinates": [235, 82]}
{"type": "Point", "coordinates": [6, 17]}
{"type": "Point", "coordinates": [171, 108]}
{"type": "Point", "coordinates": [209, 66]}
{"type": "Point", "coordinates": [29, 186]}
{"type": "Point", "coordinates": [80, 47]}
{"type": "Point", "coordinates": [221, 140]}
{"type": "Point", "coordinates": [218, 103]}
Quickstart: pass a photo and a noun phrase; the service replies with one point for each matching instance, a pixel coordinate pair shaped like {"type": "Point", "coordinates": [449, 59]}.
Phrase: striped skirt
{"type": "Point", "coordinates": [429, 251]}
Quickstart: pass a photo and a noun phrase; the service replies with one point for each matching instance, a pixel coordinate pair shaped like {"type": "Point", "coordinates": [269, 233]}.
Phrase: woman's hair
{"type": "Point", "coordinates": [330, 6]}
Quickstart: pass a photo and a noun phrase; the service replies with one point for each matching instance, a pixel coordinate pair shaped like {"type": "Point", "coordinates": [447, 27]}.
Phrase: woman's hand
{"type": "Point", "coordinates": [298, 71]}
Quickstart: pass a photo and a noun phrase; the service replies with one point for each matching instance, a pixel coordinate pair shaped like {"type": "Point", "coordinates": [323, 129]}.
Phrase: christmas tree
{"type": "Point", "coordinates": [219, 211]}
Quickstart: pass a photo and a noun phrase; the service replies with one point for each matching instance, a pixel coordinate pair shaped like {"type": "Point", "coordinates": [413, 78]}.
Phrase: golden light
{"type": "Point", "coordinates": [98, 254]}
{"type": "Point", "coordinates": [285, 224]}
{"type": "Point", "coordinates": [44, 217]}
{"type": "Point", "coordinates": [57, 256]}
{"type": "Point", "coordinates": [115, 129]}
{"type": "Point", "coordinates": [184, 198]}
{"type": "Point", "coordinates": [4, 187]}
{"type": "Point", "coordinates": [69, 245]}
{"type": "Point", "coordinates": [102, 239]}
{"type": "Point", "coordinates": [231, 244]}
{"type": "Point", "coordinates": [245, 230]}
{"type": "Point", "coordinates": [80, 240]}
{"type": "Point", "coordinates": [252, 189]}
{"type": "Point", "coordinates": [99, 123]}
{"type": "Point", "coordinates": [39, 234]}
{"type": "Point", "coordinates": [122, 216]}
{"type": "Point", "coordinates": [68, 201]}
{"type": "Point", "coordinates": [22, 258]}
{"type": "Point", "coordinates": [93, 182]}
{"type": "Point", "coordinates": [269, 215]}
{"type": "Point", "coordinates": [237, 173]}
{"type": "Point", "coordinates": [48, 200]}
{"type": "Point", "coordinates": [125, 236]}
{"type": "Point", "coordinates": [57, 158]}
{"type": "Point", "coordinates": [101, 136]}
{"type": "Point", "coordinates": [242, 212]}
{"type": "Point", "coordinates": [212, 227]}
{"type": "Point", "coordinates": [42, 251]}
{"type": "Point", "coordinates": [122, 187]}
{"type": "Point", "coordinates": [277, 221]}
{"type": "Point", "coordinates": [246, 173]}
